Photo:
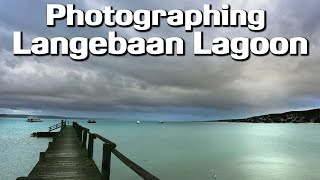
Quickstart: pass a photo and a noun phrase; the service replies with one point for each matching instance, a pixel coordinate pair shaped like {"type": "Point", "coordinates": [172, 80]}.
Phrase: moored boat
{"type": "Point", "coordinates": [33, 119]}
{"type": "Point", "coordinates": [92, 121]}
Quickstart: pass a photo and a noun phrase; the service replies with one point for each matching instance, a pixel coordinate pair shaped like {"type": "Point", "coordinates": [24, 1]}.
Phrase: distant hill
{"type": "Point", "coordinates": [308, 116]}
{"type": "Point", "coordinates": [25, 116]}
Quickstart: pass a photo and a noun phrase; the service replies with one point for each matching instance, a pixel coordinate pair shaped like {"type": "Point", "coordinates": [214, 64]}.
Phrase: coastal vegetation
{"type": "Point", "coordinates": [307, 116]}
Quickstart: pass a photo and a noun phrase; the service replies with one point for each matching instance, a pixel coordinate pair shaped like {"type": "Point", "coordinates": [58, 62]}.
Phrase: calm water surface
{"type": "Point", "coordinates": [183, 151]}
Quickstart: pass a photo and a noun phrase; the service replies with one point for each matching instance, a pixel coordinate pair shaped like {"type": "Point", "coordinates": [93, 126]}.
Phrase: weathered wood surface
{"type": "Point", "coordinates": [65, 158]}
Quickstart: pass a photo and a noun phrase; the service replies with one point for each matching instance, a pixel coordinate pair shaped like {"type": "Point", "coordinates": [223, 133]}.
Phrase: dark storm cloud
{"type": "Point", "coordinates": [210, 86]}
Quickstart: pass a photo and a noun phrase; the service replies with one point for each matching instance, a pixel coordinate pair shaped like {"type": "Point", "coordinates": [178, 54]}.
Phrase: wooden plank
{"type": "Point", "coordinates": [65, 158]}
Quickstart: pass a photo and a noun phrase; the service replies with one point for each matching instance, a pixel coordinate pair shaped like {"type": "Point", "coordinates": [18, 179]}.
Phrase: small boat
{"type": "Point", "coordinates": [91, 121]}
{"type": "Point", "coordinates": [161, 122]}
{"type": "Point", "coordinates": [33, 119]}
{"type": "Point", "coordinates": [138, 122]}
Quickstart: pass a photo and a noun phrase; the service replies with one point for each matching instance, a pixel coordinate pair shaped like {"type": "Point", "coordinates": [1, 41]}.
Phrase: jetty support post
{"type": "Point", "coordinates": [79, 131]}
{"type": "Point", "coordinates": [63, 124]}
{"type": "Point", "coordinates": [42, 156]}
{"type": "Point", "coordinates": [90, 145]}
{"type": "Point", "coordinates": [106, 160]}
{"type": "Point", "coordinates": [84, 137]}
{"type": "Point", "coordinates": [74, 124]}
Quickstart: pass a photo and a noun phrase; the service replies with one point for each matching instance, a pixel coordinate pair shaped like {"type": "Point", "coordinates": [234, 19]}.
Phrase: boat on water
{"type": "Point", "coordinates": [91, 121]}
{"type": "Point", "coordinates": [138, 122]}
{"type": "Point", "coordinates": [33, 119]}
{"type": "Point", "coordinates": [161, 122]}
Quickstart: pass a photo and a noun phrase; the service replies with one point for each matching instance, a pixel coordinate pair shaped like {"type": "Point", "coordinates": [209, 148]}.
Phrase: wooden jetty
{"type": "Point", "coordinates": [50, 133]}
{"type": "Point", "coordinates": [70, 154]}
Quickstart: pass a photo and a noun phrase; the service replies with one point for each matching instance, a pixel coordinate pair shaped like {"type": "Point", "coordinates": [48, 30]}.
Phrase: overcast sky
{"type": "Point", "coordinates": [176, 88]}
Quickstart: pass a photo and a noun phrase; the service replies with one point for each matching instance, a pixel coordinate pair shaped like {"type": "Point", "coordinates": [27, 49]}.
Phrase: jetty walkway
{"type": "Point", "coordinates": [69, 156]}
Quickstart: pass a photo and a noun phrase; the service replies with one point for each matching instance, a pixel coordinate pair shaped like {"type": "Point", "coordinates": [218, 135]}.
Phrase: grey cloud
{"type": "Point", "coordinates": [213, 87]}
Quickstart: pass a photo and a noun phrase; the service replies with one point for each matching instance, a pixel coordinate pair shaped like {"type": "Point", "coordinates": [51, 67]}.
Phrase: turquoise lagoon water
{"type": "Point", "coordinates": [186, 151]}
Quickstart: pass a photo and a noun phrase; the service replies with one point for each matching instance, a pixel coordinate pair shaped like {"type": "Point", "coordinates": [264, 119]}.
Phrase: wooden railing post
{"type": "Point", "coordinates": [109, 147]}
{"type": "Point", "coordinates": [106, 161]}
{"type": "Point", "coordinates": [79, 133]}
{"type": "Point", "coordinates": [77, 128]}
{"type": "Point", "coordinates": [90, 145]}
{"type": "Point", "coordinates": [62, 125]}
{"type": "Point", "coordinates": [84, 137]}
